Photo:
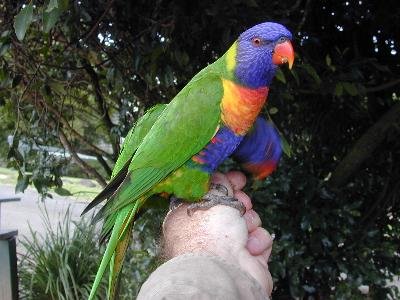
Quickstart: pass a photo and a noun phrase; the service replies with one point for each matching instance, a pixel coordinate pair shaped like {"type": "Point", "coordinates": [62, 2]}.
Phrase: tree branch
{"type": "Point", "coordinates": [109, 4]}
{"type": "Point", "coordinates": [364, 147]}
{"type": "Point", "coordinates": [383, 86]}
{"type": "Point", "coordinates": [82, 164]}
{"type": "Point", "coordinates": [307, 9]}
{"type": "Point", "coordinates": [104, 164]}
{"type": "Point", "coordinates": [371, 89]}
{"type": "Point", "coordinates": [294, 7]}
{"type": "Point", "coordinates": [92, 148]}
{"type": "Point", "coordinates": [102, 106]}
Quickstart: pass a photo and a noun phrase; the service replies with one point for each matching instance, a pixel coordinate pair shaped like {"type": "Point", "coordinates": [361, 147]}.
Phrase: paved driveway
{"type": "Point", "coordinates": [18, 215]}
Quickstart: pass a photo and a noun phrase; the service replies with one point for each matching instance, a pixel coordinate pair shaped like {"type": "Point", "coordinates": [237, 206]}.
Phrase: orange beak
{"type": "Point", "coordinates": [283, 53]}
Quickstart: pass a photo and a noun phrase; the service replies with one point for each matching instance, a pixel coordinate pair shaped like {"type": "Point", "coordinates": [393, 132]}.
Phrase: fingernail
{"type": "Point", "coordinates": [273, 236]}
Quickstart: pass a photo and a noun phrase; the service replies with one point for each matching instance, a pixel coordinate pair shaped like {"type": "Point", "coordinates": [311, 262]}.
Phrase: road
{"type": "Point", "coordinates": [28, 211]}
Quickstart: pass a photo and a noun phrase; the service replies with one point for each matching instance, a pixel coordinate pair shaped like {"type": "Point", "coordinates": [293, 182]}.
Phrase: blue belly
{"type": "Point", "coordinates": [215, 152]}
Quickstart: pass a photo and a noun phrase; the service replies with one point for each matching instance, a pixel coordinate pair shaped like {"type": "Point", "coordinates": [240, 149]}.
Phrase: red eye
{"type": "Point", "coordinates": [256, 41]}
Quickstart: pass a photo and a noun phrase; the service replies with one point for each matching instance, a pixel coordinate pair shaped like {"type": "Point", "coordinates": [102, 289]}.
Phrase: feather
{"type": "Point", "coordinates": [110, 189]}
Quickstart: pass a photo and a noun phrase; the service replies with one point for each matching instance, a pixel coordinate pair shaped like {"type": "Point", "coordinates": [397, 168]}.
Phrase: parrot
{"type": "Point", "coordinates": [174, 148]}
{"type": "Point", "coordinates": [260, 150]}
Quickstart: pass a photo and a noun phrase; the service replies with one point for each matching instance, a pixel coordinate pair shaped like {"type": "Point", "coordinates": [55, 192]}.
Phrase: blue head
{"type": "Point", "coordinates": [259, 51]}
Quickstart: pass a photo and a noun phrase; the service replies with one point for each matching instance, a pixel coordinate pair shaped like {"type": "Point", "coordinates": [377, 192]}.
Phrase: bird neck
{"type": "Point", "coordinates": [241, 105]}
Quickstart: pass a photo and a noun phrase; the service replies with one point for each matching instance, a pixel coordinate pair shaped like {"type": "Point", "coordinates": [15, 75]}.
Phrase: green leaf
{"type": "Point", "coordinates": [280, 76]}
{"type": "Point", "coordinates": [50, 19]}
{"type": "Point", "coordinates": [312, 72]}
{"type": "Point", "coordinates": [22, 183]}
{"type": "Point", "coordinates": [40, 185]}
{"type": "Point", "coordinates": [273, 110]}
{"type": "Point", "coordinates": [4, 48]}
{"type": "Point", "coordinates": [295, 76]}
{"type": "Point", "coordinates": [57, 87]}
{"type": "Point", "coordinates": [328, 60]}
{"type": "Point", "coordinates": [23, 20]}
{"type": "Point", "coordinates": [339, 89]}
{"type": "Point", "coordinates": [286, 147]}
{"type": "Point", "coordinates": [5, 42]}
{"type": "Point", "coordinates": [5, 35]}
{"type": "Point", "coordinates": [350, 88]}
{"type": "Point", "coordinates": [184, 59]}
{"type": "Point", "coordinates": [63, 4]}
{"type": "Point", "coordinates": [62, 191]}
{"type": "Point", "coordinates": [53, 4]}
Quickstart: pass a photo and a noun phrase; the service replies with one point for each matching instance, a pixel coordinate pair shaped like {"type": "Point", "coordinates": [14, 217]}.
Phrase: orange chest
{"type": "Point", "coordinates": [240, 106]}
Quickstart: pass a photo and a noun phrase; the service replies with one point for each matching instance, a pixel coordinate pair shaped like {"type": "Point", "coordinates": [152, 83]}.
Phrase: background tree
{"type": "Point", "coordinates": [77, 74]}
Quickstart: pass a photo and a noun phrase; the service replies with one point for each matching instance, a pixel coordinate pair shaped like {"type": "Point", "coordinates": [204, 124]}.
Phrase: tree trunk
{"type": "Point", "coordinates": [102, 107]}
{"type": "Point", "coordinates": [364, 147]}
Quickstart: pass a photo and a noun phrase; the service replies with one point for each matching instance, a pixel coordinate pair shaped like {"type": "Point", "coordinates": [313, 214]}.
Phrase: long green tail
{"type": "Point", "coordinates": [119, 226]}
{"type": "Point", "coordinates": [117, 261]}
{"type": "Point", "coordinates": [116, 248]}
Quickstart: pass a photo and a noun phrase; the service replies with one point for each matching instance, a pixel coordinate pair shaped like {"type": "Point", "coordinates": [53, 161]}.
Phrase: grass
{"type": "Point", "coordinates": [81, 188]}
{"type": "Point", "coordinates": [8, 176]}
{"type": "Point", "coordinates": [61, 263]}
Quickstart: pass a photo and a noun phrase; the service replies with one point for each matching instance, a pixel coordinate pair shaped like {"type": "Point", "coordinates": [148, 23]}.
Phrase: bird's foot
{"type": "Point", "coordinates": [211, 200]}
{"type": "Point", "coordinates": [174, 203]}
{"type": "Point", "coordinates": [220, 188]}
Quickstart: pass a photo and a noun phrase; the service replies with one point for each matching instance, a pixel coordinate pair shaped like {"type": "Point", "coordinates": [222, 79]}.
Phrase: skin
{"type": "Point", "coordinates": [221, 231]}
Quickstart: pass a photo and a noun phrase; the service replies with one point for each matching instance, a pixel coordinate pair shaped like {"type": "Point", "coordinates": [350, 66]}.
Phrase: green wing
{"type": "Point", "coordinates": [184, 127]}
{"type": "Point", "coordinates": [136, 135]}
{"type": "Point", "coordinates": [132, 141]}
{"type": "Point", "coordinates": [118, 244]}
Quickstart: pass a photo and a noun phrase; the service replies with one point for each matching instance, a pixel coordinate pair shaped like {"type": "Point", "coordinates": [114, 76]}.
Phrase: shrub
{"type": "Point", "coordinates": [62, 263]}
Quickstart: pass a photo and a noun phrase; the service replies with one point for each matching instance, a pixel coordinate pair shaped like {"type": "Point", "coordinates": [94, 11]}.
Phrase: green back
{"type": "Point", "coordinates": [184, 127]}
{"type": "Point", "coordinates": [136, 135]}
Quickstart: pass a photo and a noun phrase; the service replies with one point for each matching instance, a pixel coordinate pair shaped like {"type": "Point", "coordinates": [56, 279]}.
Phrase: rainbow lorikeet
{"type": "Point", "coordinates": [260, 150]}
{"type": "Point", "coordinates": [174, 148]}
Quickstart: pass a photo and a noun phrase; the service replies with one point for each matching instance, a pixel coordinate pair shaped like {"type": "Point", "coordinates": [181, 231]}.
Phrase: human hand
{"type": "Point", "coordinates": [221, 231]}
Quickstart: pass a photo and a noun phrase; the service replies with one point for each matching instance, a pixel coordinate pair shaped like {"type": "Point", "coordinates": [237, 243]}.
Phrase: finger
{"type": "Point", "coordinates": [219, 178]}
{"type": "Point", "coordinates": [264, 257]}
{"type": "Point", "coordinates": [259, 241]}
{"type": "Point", "coordinates": [242, 197]}
{"type": "Point", "coordinates": [253, 220]}
{"type": "Point", "coordinates": [237, 179]}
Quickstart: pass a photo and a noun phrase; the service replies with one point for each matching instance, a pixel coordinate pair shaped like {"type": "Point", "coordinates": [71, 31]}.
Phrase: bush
{"type": "Point", "coordinates": [62, 263]}
{"type": "Point", "coordinates": [323, 249]}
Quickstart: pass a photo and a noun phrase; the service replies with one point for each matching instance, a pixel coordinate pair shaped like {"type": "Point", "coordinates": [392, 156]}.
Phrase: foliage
{"type": "Point", "coordinates": [62, 263]}
{"type": "Point", "coordinates": [79, 73]}
{"type": "Point", "coordinates": [326, 244]}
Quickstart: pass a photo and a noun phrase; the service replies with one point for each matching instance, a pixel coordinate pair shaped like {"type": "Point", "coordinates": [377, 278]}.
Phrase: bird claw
{"type": "Point", "coordinates": [174, 203]}
{"type": "Point", "coordinates": [220, 188]}
{"type": "Point", "coordinates": [211, 200]}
